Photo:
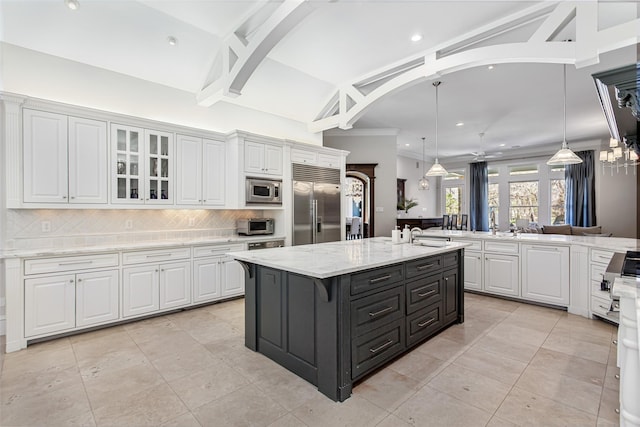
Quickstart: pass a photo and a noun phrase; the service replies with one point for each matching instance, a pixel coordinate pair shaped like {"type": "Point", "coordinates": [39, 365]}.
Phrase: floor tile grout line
{"type": "Point", "coordinates": [84, 386]}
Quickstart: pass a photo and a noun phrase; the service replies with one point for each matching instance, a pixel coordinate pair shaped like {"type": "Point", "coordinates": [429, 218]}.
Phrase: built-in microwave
{"type": "Point", "coordinates": [253, 226]}
{"type": "Point", "coordinates": [261, 191]}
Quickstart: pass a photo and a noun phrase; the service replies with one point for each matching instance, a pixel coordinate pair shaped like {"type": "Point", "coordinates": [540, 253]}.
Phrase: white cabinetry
{"type": "Point", "coordinates": [545, 273]}
{"type": "Point", "coordinates": [473, 270]}
{"type": "Point", "coordinates": [216, 275]}
{"type": "Point", "coordinates": [600, 301]}
{"type": "Point", "coordinates": [200, 171]}
{"type": "Point", "coordinates": [65, 159]}
{"type": "Point", "coordinates": [142, 165]}
{"type": "Point", "coordinates": [155, 285]}
{"type": "Point", "coordinates": [501, 274]}
{"type": "Point", "coordinates": [260, 158]}
{"type": "Point", "coordinates": [310, 157]}
{"type": "Point", "coordinates": [60, 303]}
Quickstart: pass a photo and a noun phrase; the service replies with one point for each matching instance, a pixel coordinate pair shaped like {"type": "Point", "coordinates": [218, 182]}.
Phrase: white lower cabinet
{"type": "Point", "coordinates": [545, 274]}
{"type": "Point", "coordinates": [61, 303]}
{"type": "Point", "coordinates": [150, 288]}
{"type": "Point", "coordinates": [216, 275]}
{"type": "Point", "coordinates": [473, 270]}
{"type": "Point", "coordinates": [501, 274]}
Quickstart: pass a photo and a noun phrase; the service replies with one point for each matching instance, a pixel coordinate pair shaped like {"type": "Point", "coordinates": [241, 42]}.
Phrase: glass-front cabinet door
{"type": "Point", "coordinates": [128, 166]}
{"type": "Point", "coordinates": [159, 172]}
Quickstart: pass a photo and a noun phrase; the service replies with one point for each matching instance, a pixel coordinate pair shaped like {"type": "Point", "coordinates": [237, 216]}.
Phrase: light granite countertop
{"type": "Point", "coordinates": [618, 244]}
{"type": "Point", "coordinates": [132, 246]}
{"type": "Point", "coordinates": [325, 260]}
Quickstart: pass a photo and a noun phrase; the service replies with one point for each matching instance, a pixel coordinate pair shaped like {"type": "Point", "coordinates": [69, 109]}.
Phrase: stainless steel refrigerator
{"type": "Point", "coordinates": [316, 205]}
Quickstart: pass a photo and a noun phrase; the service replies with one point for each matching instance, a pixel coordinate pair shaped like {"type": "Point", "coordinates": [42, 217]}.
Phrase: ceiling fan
{"type": "Point", "coordinates": [481, 156]}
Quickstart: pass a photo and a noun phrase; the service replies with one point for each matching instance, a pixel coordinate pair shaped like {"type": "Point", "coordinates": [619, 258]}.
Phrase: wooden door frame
{"type": "Point", "coordinates": [368, 170]}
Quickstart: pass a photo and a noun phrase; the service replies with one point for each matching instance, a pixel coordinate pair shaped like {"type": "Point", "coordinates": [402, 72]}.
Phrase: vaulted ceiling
{"type": "Point", "coordinates": [347, 63]}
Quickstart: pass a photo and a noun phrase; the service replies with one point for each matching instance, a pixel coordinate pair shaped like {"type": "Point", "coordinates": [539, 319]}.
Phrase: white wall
{"type": "Point", "coordinates": [412, 170]}
{"type": "Point", "coordinates": [367, 147]}
{"type": "Point", "coordinates": [31, 73]}
{"type": "Point", "coordinates": [616, 198]}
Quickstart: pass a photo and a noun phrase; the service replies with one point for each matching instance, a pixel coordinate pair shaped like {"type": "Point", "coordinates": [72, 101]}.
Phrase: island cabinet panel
{"type": "Point", "coordinates": [334, 331]}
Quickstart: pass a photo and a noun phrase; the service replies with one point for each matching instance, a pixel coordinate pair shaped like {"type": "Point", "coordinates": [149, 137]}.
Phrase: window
{"type": "Point", "coordinates": [453, 200]}
{"type": "Point", "coordinates": [494, 200]}
{"type": "Point", "coordinates": [523, 201]}
{"type": "Point", "coordinates": [557, 201]}
{"type": "Point", "coordinates": [523, 170]}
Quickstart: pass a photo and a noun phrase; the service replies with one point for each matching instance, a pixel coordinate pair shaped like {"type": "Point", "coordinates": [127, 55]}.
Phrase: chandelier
{"type": "Point", "coordinates": [617, 158]}
{"type": "Point", "coordinates": [354, 189]}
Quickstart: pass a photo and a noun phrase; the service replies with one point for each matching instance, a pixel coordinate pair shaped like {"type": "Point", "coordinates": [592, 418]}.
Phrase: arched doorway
{"type": "Point", "coordinates": [360, 180]}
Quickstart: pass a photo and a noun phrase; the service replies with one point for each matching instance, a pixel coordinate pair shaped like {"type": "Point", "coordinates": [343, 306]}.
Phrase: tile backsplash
{"type": "Point", "coordinates": [27, 228]}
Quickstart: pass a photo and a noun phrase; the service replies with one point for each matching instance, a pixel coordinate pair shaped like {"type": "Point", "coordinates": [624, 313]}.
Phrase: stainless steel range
{"type": "Point", "coordinates": [621, 264]}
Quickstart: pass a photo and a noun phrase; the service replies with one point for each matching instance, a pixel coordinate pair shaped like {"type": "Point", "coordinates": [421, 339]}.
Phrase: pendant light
{"type": "Point", "coordinates": [564, 156]}
{"type": "Point", "coordinates": [436, 169]}
{"type": "Point", "coordinates": [423, 184]}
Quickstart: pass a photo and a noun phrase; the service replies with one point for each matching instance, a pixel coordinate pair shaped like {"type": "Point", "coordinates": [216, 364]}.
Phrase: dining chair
{"type": "Point", "coordinates": [445, 222]}
{"type": "Point", "coordinates": [354, 233]}
{"type": "Point", "coordinates": [464, 222]}
{"type": "Point", "coordinates": [453, 225]}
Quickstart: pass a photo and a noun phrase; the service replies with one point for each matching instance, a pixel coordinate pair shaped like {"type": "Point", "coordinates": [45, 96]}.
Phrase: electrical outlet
{"type": "Point", "coordinates": [192, 222]}
{"type": "Point", "coordinates": [46, 226]}
{"type": "Point", "coordinates": [128, 224]}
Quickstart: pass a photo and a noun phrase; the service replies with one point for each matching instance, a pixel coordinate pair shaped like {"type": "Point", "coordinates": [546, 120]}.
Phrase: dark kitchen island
{"type": "Point", "coordinates": [333, 312]}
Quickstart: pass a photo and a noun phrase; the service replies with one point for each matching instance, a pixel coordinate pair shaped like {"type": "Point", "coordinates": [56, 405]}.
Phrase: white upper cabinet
{"type": "Point", "coordinates": [65, 159]}
{"type": "Point", "coordinates": [262, 158]}
{"type": "Point", "coordinates": [142, 166]}
{"type": "Point", "coordinates": [201, 171]}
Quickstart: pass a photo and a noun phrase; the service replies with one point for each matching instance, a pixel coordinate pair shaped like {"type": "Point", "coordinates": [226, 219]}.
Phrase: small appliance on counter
{"type": "Point", "coordinates": [262, 191]}
{"type": "Point", "coordinates": [254, 226]}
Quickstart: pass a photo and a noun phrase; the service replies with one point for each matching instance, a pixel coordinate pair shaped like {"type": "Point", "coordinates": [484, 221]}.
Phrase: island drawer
{"type": "Point", "coordinates": [70, 263]}
{"type": "Point", "coordinates": [375, 348]}
{"type": "Point", "coordinates": [377, 278]}
{"type": "Point", "coordinates": [600, 306]}
{"type": "Point", "coordinates": [501, 247]}
{"type": "Point", "coordinates": [423, 292]}
{"type": "Point", "coordinates": [423, 323]}
{"type": "Point", "coordinates": [216, 250]}
{"type": "Point", "coordinates": [378, 309]}
{"type": "Point", "coordinates": [450, 259]}
{"type": "Point", "coordinates": [423, 266]}
{"type": "Point", "coordinates": [156, 255]}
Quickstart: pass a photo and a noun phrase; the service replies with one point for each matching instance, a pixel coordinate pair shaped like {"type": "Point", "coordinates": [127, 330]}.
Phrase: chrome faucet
{"type": "Point", "coordinates": [418, 229]}
{"type": "Point", "coordinates": [492, 221]}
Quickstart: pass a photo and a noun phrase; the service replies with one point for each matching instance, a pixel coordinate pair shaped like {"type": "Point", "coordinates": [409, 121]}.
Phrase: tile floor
{"type": "Point", "coordinates": [509, 364]}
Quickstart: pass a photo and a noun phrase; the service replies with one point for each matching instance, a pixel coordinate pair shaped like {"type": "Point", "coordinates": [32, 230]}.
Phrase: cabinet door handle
{"type": "Point", "coordinates": [423, 267]}
{"type": "Point", "coordinates": [60, 264]}
{"type": "Point", "coordinates": [615, 342]}
{"type": "Point", "coordinates": [379, 312]}
{"type": "Point", "coordinates": [158, 255]}
{"type": "Point", "coordinates": [79, 280]}
{"type": "Point", "coordinates": [380, 279]}
{"type": "Point", "coordinates": [602, 306]}
{"type": "Point", "coordinates": [428, 322]}
{"type": "Point", "coordinates": [381, 347]}
{"type": "Point", "coordinates": [64, 197]}
{"type": "Point", "coordinates": [71, 281]}
{"type": "Point", "coordinates": [156, 270]}
{"type": "Point", "coordinates": [432, 291]}
{"type": "Point", "coordinates": [220, 249]}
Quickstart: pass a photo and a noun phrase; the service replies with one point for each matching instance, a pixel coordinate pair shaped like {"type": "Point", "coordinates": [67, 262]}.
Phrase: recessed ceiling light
{"type": "Point", "coordinates": [460, 124]}
{"type": "Point", "coordinates": [416, 37]}
{"type": "Point", "coordinates": [407, 145]}
{"type": "Point", "coordinates": [490, 67]}
{"type": "Point", "coordinates": [72, 4]}
{"type": "Point", "coordinates": [172, 40]}
{"type": "Point", "coordinates": [502, 145]}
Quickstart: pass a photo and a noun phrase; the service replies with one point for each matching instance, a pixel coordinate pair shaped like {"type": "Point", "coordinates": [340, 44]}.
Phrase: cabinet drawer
{"type": "Point", "coordinates": [598, 255]}
{"type": "Point", "coordinates": [501, 247]}
{"type": "Point", "coordinates": [596, 292]}
{"type": "Point", "coordinates": [157, 255]}
{"type": "Point", "coordinates": [302, 156]}
{"type": "Point", "coordinates": [216, 250]}
{"type": "Point", "coordinates": [424, 323]}
{"type": "Point", "coordinates": [373, 279]}
{"type": "Point", "coordinates": [378, 309]}
{"type": "Point", "coordinates": [424, 266]}
{"type": "Point", "coordinates": [600, 306]}
{"type": "Point", "coordinates": [423, 292]}
{"type": "Point", "coordinates": [373, 349]}
{"type": "Point", "coordinates": [597, 271]}
{"type": "Point", "coordinates": [71, 263]}
{"type": "Point", "coordinates": [450, 259]}
{"type": "Point", "coordinates": [476, 245]}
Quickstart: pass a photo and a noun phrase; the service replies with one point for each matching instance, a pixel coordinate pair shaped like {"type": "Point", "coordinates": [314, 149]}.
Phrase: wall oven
{"type": "Point", "coordinates": [261, 191]}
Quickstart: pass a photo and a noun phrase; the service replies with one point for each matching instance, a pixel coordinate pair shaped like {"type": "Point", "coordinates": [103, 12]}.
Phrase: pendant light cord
{"type": "Point", "coordinates": [436, 84]}
{"type": "Point", "coordinates": [564, 134]}
{"type": "Point", "coordinates": [423, 172]}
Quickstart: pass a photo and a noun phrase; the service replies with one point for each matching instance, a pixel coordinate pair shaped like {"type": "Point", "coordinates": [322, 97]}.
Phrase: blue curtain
{"type": "Point", "coordinates": [580, 192]}
{"type": "Point", "coordinates": [479, 197]}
